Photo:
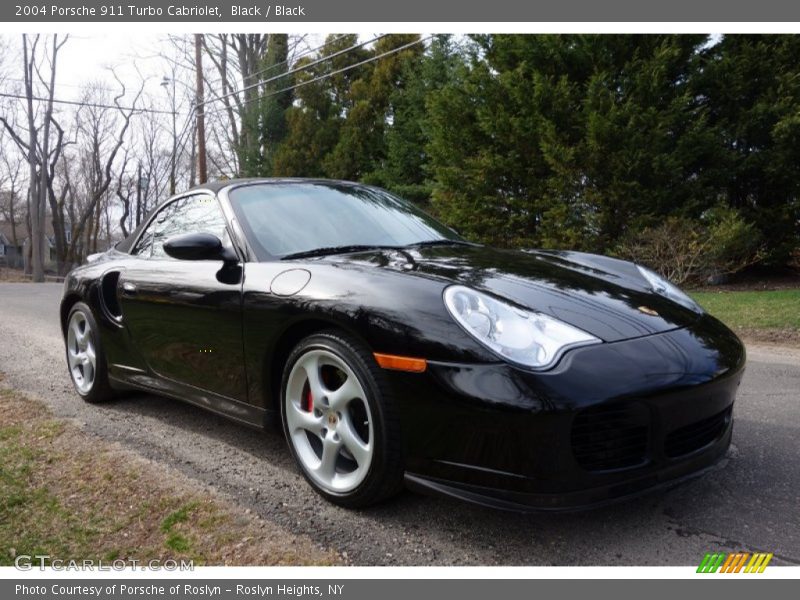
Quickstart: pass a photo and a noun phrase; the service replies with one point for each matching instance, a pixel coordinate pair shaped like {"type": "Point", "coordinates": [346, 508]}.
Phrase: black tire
{"type": "Point", "coordinates": [384, 478]}
{"type": "Point", "coordinates": [101, 390]}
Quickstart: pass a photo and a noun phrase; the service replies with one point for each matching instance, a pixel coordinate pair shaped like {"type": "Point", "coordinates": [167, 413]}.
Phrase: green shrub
{"type": "Point", "coordinates": [692, 251]}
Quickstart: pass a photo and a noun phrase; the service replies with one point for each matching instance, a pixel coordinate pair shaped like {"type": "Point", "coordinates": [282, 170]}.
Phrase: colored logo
{"type": "Point", "coordinates": [734, 562]}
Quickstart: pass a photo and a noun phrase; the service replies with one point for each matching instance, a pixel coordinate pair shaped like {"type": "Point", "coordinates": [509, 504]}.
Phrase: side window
{"type": "Point", "coordinates": [144, 244]}
{"type": "Point", "coordinates": [193, 214]}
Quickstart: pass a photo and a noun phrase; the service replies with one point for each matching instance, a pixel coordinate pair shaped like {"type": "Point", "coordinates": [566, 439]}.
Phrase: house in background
{"type": "Point", "coordinates": [11, 255]}
{"type": "Point", "coordinates": [16, 256]}
{"type": "Point", "coordinates": [50, 258]}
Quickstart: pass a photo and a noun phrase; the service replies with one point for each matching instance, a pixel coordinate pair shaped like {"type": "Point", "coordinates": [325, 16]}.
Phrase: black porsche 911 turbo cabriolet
{"type": "Point", "coordinates": [392, 350]}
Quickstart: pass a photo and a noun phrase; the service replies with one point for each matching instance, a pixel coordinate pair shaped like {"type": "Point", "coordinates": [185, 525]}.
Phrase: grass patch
{"type": "Point", "coordinates": [775, 309]}
{"type": "Point", "coordinates": [73, 497]}
{"type": "Point", "coordinates": [175, 540]}
{"type": "Point", "coordinates": [771, 316]}
{"type": "Point", "coordinates": [179, 516]}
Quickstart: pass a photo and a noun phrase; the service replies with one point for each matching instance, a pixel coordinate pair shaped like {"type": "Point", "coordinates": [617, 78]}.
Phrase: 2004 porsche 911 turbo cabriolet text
{"type": "Point", "coordinates": [392, 350]}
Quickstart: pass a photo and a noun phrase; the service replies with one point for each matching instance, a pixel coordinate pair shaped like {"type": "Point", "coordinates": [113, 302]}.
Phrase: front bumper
{"type": "Point", "coordinates": [609, 422]}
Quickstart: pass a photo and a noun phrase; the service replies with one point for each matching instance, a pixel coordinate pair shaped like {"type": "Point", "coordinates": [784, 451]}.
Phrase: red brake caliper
{"type": "Point", "coordinates": [309, 400]}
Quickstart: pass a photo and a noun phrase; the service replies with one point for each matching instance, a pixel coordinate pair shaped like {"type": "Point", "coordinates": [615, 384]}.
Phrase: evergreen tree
{"type": "Point", "coordinates": [405, 169]}
{"type": "Point", "coordinates": [276, 100]}
{"type": "Point", "coordinates": [751, 87]}
{"type": "Point", "coordinates": [315, 118]}
{"type": "Point", "coordinates": [264, 106]}
{"type": "Point", "coordinates": [573, 141]}
{"type": "Point", "coordinates": [570, 140]}
{"type": "Point", "coordinates": [362, 139]}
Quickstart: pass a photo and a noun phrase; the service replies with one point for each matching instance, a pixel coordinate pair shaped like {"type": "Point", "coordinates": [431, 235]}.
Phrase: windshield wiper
{"type": "Point", "coordinates": [442, 242]}
{"type": "Point", "coordinates": [328, 250]}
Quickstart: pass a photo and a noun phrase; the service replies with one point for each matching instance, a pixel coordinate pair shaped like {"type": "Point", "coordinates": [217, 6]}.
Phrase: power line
{"type": "Point", "coordinates": [89, 86]}
{"type": "Point", "coordinates": [69, 85]}
{"type": "Point", "coordinates": [288, 60]}
{"type": "Point", "coordinates": [371, 59]}
{"type": "Point", "coordinates": [296, 70]}
{"type": "Point", "coordinates": [180, 141]}
{"type": "Point", "coordinates": [293, 71]}
{"type": "Point", "coordinates": [301, 54]}
{"type": "Point", "coordinates": [336, 72]}
{"type": "Point", "coordinates": [91, 104]}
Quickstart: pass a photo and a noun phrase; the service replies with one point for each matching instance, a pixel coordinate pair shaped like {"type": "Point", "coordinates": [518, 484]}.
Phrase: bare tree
{"type": "Point", "coordinates": [87, 173]}
{"type": "Point", "coordinates": [56, 201]}
{"type": "Point", "coordinates": [39, 86]}
{"type": "Point", "coordinates": [254, 64]}
{"type": "Point", "coordinates": [155, 162]}
{"type": "Point", "coordinates": [125, 191]}
{"type": "Point", "coordinates": [96, 128]}
{"type": "Point", "coordinates": [5, 47]}
{"type": "Point", "coordinates": [234, 122]}
{"type": "Point", "coordinates": [218, 53]}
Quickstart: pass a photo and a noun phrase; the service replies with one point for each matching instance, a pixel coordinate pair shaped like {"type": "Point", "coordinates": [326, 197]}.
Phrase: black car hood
{"type": "Point", "coordinates": [603, 296]}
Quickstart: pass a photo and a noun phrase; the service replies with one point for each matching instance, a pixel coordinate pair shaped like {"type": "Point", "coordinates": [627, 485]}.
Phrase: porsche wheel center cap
{"type": "Point", "coordinates": [332, 419]}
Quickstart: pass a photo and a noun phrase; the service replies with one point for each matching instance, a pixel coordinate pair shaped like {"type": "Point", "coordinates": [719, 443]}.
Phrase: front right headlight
{"type": "Point", "coordinates": [524, 337]}
{"type": "Point", "coordinates": [664, 287]}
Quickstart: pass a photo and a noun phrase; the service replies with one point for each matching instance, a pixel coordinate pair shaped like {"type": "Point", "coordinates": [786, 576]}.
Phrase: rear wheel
{"type": "Point", "coordinates": [85, 358]}
{"type": "Point", "coordinates": [339, 419]}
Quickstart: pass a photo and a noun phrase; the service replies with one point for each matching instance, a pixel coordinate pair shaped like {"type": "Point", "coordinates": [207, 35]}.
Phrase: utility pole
{"type": "Point", "coordinates": [165, 83]}
{"type": "Point", "coordinates": [200, 111]}
{"type": "Point", "coordinates": [139, 195]}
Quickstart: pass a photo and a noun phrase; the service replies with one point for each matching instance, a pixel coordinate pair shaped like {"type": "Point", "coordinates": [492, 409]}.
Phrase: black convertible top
{"type": "Point", "coordinates": [216, 186]}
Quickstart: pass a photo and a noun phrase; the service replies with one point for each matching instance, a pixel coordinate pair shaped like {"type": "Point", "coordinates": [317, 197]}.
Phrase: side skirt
{"type": "Point", "coordinates": [235, 410]}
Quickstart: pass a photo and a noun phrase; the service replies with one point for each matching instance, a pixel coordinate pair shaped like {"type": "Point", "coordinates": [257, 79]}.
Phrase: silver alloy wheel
{"type": "Point", "coordinates": [81, 352]}
{"type": "Point", "coordinates": [328, 421]}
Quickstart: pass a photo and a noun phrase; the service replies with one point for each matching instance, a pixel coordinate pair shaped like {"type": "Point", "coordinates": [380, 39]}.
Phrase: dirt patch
{"type": "Point", "coordinates": [787, 337]}
{"type": "Point", "coordinates": [774, 353]}
{"type": "Point", "coordinates": [13, 276]}
{"type": "Point", "coordinates": [74, 496]}
{"type": "Point", "coordinates": [787, 279]}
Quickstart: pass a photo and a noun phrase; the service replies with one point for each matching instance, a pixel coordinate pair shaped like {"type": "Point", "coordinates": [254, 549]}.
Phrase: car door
{"type": "Point", "coordinates": [185, 317]}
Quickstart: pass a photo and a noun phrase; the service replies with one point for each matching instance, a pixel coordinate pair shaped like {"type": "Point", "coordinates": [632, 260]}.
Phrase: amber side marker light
{"type": "Point", "coordinates": [401, 363]}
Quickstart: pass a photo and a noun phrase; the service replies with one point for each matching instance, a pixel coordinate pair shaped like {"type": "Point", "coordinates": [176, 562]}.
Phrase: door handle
{"type": "Point", "coordinates": [128, 289]}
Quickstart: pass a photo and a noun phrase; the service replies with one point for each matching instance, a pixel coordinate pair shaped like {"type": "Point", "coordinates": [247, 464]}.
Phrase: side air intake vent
{"type": "Point", "coordinates": [108, 294]}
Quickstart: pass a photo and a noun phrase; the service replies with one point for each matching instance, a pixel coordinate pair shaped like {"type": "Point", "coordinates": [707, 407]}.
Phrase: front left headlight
{"type": "Point", "coordinates": [663, 287]}
{"type": "Point", "coordinates": [524, 337]}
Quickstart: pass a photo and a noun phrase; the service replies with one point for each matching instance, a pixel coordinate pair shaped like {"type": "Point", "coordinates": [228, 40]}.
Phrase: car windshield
{"type": "Point", "coordinates": [285, 220]}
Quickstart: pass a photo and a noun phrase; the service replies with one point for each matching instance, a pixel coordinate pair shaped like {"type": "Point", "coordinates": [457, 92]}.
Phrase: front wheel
{"type": "Point", "coordinates": [85, 358]}
{"type": "Point", "coordinates": [340, 421]}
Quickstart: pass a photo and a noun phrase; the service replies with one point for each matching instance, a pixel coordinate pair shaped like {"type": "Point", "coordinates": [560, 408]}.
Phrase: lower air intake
{"type": "Point", "coordinates": [611, 437]}
{"type": "Point", "coordinates": [697, 435]}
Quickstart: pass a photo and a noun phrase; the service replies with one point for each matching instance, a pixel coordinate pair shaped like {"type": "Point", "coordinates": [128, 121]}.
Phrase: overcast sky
{"type": "Point", "coordinates": [87, 58]}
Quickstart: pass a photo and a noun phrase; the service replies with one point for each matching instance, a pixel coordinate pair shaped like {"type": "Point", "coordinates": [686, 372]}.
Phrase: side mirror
{"type": "Point", "coordinates": [198, 246]}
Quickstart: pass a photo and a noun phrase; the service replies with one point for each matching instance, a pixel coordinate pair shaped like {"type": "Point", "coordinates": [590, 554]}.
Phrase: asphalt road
{"type": "Point", "coordinates": [750, 501]}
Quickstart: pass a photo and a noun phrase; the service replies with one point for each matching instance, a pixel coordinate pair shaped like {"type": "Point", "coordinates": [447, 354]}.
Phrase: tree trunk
{"type": "Point", "coordinates": [36, 240]}
{"type": "Point", "coordinates": [200, 110]}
